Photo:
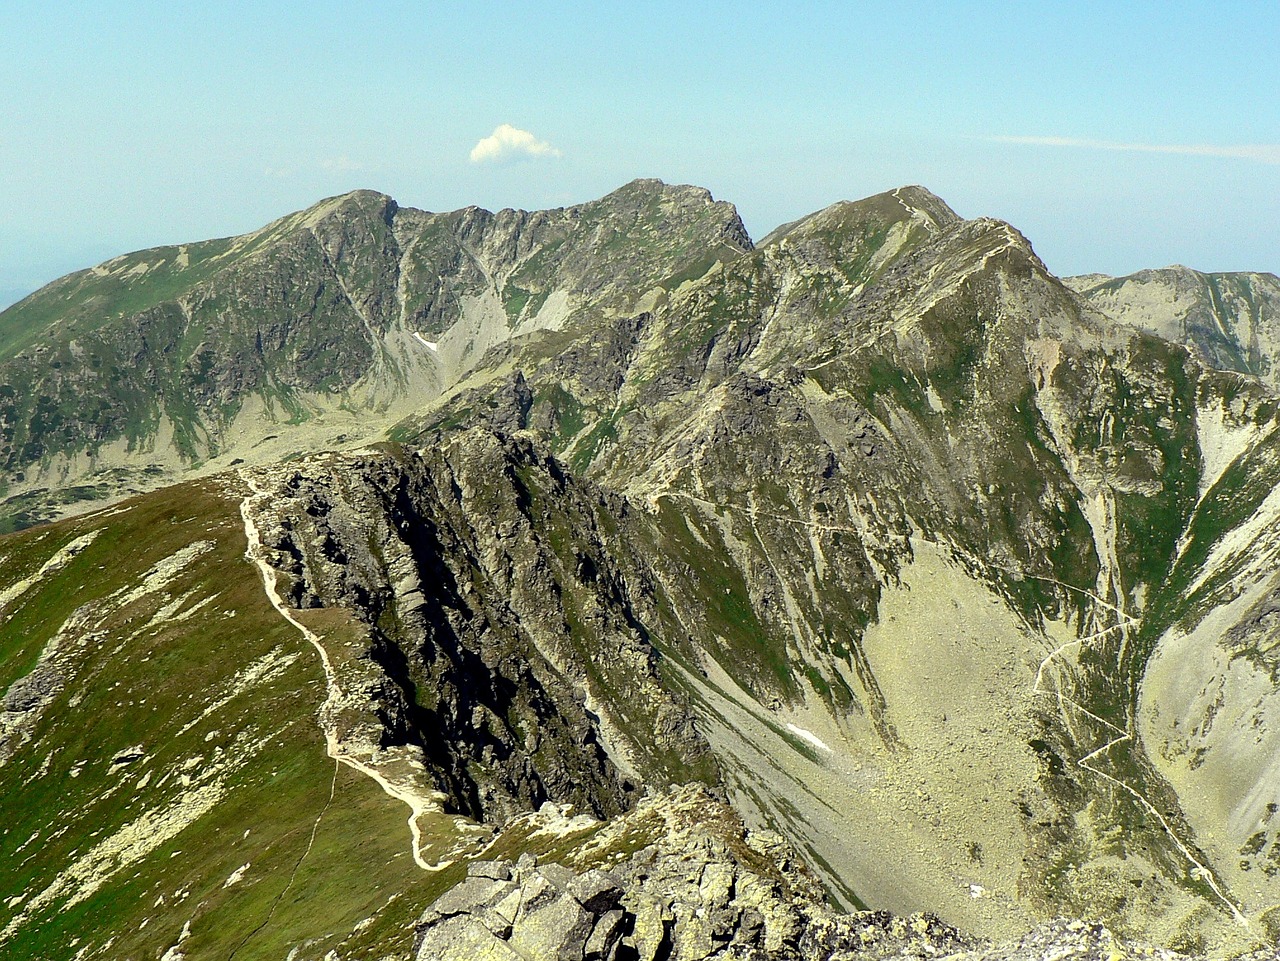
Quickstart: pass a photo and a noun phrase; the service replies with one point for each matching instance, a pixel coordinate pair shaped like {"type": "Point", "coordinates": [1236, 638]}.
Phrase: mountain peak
{"type": "Point", "coordinates": [656, 201]}
{"type": "Point", "coordinates": [924, 201]}
{"type": "Point", "coordinates": [653, 185]}
{"type": "Point", "coordinates": [879, 211]}
{"type": "Point", "coordinates": [648, 190]}
{"type": "Point", "coordinates": [363, 201]}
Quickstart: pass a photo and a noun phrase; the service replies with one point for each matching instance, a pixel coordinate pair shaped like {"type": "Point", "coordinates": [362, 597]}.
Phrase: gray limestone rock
{"type": "Point", "coordinates": [693, 893]}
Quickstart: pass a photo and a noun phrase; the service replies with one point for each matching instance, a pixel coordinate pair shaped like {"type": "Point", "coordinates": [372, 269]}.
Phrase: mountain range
{"type": "Point", "coordinates": [601, 583]}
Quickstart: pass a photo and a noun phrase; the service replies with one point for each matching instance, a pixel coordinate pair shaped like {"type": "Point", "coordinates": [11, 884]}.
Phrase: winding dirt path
{"type": "Point", "coordinates": [1198, 869]}
{"type": "Point", "coordinates": [418, 805]}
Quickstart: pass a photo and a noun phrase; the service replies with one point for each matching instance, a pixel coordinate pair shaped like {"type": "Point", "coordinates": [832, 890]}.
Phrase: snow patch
{"type": "Point", "coordinates": [809, 736]}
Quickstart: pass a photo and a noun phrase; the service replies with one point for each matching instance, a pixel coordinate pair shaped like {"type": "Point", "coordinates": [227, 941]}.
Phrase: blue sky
{"type": "Point", "coordinates": [1115, 135]}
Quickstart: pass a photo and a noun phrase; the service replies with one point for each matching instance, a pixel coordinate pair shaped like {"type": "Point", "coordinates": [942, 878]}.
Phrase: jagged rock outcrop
{"type": "Point", "coordinates": [703, 888]}
{"type": "Point", "coordinates": [504, 633]}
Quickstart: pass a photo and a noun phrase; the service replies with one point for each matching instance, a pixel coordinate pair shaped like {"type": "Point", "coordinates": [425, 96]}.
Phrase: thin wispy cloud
{"type": "Point", "coordinates": [1259, 153]}
{"type": "Point", "coordinates": [507, 142]}
{"type": "Point", "coordinates": [341, 164]}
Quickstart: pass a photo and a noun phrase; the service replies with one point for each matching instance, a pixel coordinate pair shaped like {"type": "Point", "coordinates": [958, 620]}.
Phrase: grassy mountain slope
{"type": "Point", "coordinates": [165, 770]}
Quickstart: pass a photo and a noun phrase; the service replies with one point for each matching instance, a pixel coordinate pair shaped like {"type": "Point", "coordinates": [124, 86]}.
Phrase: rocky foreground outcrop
{"type": "Point", "coordinates": [694, 886]}
{"type": "Point", "coordinates": [677, 878]}
{"type": "Point", "coordinates": [668, 906]}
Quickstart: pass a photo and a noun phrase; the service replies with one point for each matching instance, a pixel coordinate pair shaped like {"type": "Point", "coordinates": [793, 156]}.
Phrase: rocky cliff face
{"type": "Point", "coordinates": [902, 549]}
{"type": "Point", "coordinates": [504, 626]}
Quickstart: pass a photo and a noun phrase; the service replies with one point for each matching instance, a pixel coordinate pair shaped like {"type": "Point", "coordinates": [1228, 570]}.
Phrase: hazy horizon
{"type": "Point", "coordinates": [1107, 136]}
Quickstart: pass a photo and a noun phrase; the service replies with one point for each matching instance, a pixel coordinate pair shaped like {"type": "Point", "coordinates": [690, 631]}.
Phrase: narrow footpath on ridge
{"type": "Point", "coordinates": [418, 805]}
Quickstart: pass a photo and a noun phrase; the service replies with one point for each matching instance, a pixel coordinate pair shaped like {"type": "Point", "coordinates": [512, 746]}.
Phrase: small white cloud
{"type": "Point", "coordinates": [1260, 153]}
{"type": "Point", "coordinates": [508, 141]}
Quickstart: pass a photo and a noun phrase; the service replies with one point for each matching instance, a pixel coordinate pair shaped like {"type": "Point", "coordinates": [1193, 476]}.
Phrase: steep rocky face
{"type": "Point", "coordinates": [1230, 320]}
{"type": "Point", "coordinates": [311, 332]}
{"type": "Point", "coordinates": [504, 627]}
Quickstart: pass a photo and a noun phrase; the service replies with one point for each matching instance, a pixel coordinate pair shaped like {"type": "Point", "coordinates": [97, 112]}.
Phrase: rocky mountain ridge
{"type": "Point", "coordinates": [315, 332]}
{"type": "Point", "coordinates": [876, 529]}
{"type": "Point", "coordinates": [1228, 319]}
